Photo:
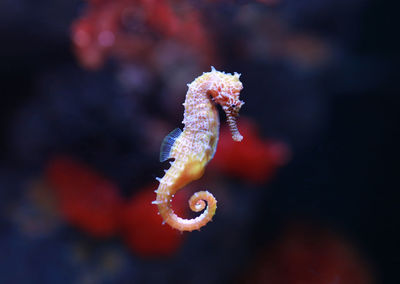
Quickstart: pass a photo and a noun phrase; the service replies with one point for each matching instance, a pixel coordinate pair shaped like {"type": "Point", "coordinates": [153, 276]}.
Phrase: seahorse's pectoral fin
{"type": "Point", "coordinates": [167, 144]}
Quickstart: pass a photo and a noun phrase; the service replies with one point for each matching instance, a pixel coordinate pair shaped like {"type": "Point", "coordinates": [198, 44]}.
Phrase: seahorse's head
{"type": "Point", "coordinates": [225, 90]}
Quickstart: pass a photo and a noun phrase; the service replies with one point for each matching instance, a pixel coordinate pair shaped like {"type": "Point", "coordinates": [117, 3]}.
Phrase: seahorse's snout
{"type": "Point", "coordinates": [232, 111]}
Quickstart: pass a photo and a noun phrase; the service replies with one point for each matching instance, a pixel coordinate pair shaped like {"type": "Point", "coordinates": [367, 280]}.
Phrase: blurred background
{"type": "Point", "coordinates": [91, 88]}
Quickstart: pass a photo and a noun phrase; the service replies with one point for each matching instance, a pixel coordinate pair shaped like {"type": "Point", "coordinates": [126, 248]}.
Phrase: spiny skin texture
{"type": "Point", "coordinates": [197, 144]}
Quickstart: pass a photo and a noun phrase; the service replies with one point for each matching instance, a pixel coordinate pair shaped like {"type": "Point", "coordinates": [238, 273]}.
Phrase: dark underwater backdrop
{"type": "Point", "coordinates": [90, 89]}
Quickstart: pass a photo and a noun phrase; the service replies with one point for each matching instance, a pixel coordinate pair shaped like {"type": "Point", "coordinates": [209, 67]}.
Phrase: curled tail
{"type": "Point", "coordinates": [197, 203]}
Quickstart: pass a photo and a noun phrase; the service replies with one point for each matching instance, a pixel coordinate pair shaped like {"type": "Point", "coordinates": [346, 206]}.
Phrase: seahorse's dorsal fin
{"type": "Point", "coordinates": [167, 144]}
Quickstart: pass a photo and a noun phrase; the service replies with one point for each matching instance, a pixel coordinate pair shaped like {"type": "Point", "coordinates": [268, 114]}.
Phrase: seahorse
{"type": "Point", "coordinates": [196, 145]}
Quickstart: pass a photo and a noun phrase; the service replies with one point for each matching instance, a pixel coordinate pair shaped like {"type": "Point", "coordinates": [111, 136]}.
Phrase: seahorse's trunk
{"type": "Point", "coordinates": [197, 203]}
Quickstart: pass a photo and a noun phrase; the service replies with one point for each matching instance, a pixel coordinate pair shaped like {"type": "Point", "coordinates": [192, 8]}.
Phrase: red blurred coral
{"type": "Point", "coordinates": [92, 203]}
{"type": "Point", "coordinates": [253, 159]}
{"type": "Point", "coordinates": [133, 30]}
{"type": "Point", "coordinates": [86, 199]}
{"type": "Point", "coordinates": [142, 227]}
{"type": "Point", "coordinates": [312, 256]}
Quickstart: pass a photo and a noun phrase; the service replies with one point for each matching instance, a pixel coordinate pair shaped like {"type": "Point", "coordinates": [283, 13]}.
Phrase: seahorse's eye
{"type": "Point", "coordinates": [232, 106]}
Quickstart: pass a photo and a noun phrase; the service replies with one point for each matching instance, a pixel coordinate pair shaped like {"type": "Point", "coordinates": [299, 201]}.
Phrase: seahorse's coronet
{"type": "Point", "coordinates": [196, 145]}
